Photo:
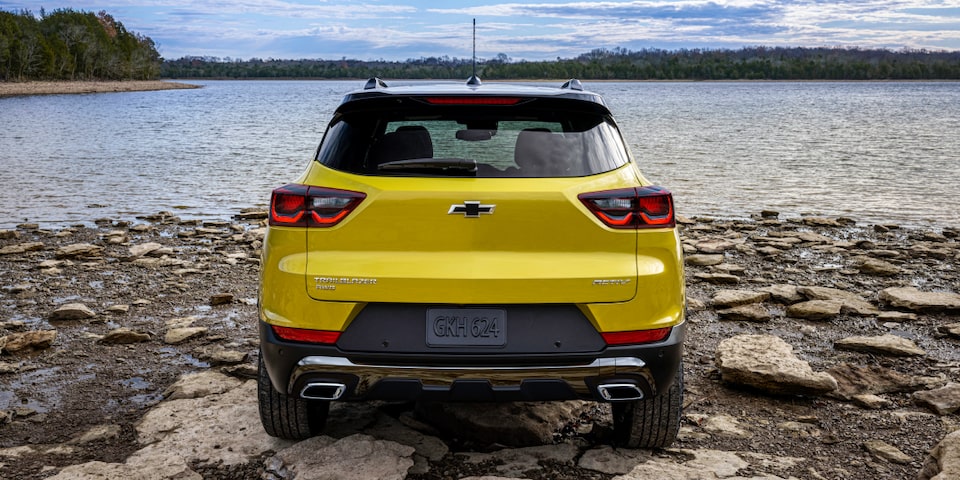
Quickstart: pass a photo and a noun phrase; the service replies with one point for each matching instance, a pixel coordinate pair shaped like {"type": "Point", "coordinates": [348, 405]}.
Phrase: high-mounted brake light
{"type": "Point", "coordinates": [643, 207]}
{"type": "Point", "coordinates": [482, 100]}
{"type": "Point", "coordinates": [306, 335]}
{"type": "Point", "coordinates": [297, 205]}
{"type": "Point", "coordinates": [636, 336]}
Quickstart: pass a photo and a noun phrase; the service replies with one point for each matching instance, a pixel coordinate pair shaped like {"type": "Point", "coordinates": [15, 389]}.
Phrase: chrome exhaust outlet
{"type": "Point", "coordinates": [617, 392]}
{"type": "Point", "coordinates": [323, 391]}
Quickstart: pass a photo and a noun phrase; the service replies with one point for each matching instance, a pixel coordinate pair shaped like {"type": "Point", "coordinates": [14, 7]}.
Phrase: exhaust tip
{"type": "Point", "coordinates": [618, 392]}
{"type": "Point", "coordinates": [323, 391]}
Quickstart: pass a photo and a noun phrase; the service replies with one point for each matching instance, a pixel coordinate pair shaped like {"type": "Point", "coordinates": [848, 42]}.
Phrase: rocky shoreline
{"type": "Point", "coordinates": [11, 89]}
{"type": "Point", "coordinates": [817, 349]}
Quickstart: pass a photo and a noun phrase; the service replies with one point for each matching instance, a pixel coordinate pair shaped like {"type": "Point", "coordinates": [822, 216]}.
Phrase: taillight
{"type": "Point", "coordinates": [642, 207]}
{"type": "Point", "coordinates": [636, 336]}
{"type": "Point", "coordinates": [297, 205]}
{"type": "Point", "coordinates": [306, 335]}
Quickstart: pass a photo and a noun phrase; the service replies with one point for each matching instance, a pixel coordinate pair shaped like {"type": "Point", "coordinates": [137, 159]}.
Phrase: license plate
{"type": "Point", "coordinates": [470, 327]}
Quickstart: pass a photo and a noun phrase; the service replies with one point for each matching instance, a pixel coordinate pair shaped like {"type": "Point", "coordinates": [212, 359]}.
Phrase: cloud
{"type": "Point", "coordinates": [540, 29]}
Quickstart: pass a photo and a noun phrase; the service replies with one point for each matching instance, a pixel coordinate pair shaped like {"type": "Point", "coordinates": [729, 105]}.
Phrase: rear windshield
{"type": "Point", "coordinates": [479, 142]}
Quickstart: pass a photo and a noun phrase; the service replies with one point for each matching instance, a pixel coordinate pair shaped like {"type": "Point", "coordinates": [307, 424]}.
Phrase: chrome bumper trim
{"type": "Point", "coordinates": [444, 376]}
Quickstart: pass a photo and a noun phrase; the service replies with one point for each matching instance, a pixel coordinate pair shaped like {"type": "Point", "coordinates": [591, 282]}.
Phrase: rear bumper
{"type": "Point", "coordinates": [325, 371]}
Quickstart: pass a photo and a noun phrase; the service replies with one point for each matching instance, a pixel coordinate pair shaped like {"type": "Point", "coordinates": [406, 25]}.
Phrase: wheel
{"type": "Point", "coordinates": [285, 416]}
{"type": "Point", "coordinates": [650, 422]}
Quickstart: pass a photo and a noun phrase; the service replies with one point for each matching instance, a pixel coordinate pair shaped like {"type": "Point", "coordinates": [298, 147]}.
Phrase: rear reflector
{"type": "Point", "coordinates": [473, 100]}
{"type": "Point", "coordinates": [297, 205]}
{"type": "Point", "coordinates": [643, 207]}
{"type": "Point", "coordinates": [636, 336]}
{"type": "Point", "coordinates": [305, 335]}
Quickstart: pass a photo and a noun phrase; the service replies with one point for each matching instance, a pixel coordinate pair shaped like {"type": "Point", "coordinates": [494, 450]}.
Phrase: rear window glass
{"type": "Point", "coordinates": [504, 142]}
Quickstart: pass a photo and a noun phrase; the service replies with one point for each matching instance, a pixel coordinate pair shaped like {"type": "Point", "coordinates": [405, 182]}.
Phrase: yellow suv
{"type": "Point", "coordinates": [477, 242]}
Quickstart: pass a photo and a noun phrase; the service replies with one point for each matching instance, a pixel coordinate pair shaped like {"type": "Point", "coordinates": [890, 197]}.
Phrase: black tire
{"type": "Point", "coordinates": [650, 422]}
{"type": "Point", "coordinates": [285, 416]}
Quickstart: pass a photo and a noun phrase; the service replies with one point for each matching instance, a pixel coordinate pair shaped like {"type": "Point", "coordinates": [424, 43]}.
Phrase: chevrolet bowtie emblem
{"type": "Point", "coordinates": [471, 209]}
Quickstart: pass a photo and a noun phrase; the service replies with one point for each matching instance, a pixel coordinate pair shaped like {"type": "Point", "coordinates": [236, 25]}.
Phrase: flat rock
{"type": "Point", "coordinates": [180, 335]}
{"type": "Point", "coordinates": [783, 293]}
{"type": "Point", "coordinates": [703, 260]}
{"type": "Point", "coordinates": [200, 385]}
{"type": "Point", "coordinates": [952, 329]}
{"type": "Point", "coordinates": [34, 340]}
{"type": "Point", "coordinates": [72, 311]}
{"type": "Point", "coordinates": [609, 460]}
{"type": "Point", "coordinates": [118, 309]}
{"type": "Point", "coordinates": [124, 335]}
{"type": "Point", "coordinates": [388, 428]}
{"type": "Point", "coordinates": [871, 401]}
{"type": "Point", "coordinates": [79, 250]}
{"type": "Point", "coordinates": [911, 298]}
{"type": "Point", "coordinates": [943, 401]}
{"type": "Point", "coordinates": [137, 251]}
{"type": "Point", "coordinates": [894, 316]}
{"type": "Point", "coordinates": [514, 424]}
{"type": "Point", "coordinates": [21, 248]}
{"type": "Point", "coordinates": [720, 424]}
{"type": "Point", "coordinates": [222, 356]}
{"type": "Point", "coordinates": [850, 302]}
{"type": "Point", "coordinates": [154, 469]}
{"type": "Point", "coordinates": [735, 298]}
{"type": "Point", "coordinates": [718, 278]}
{"type": "Point", "coordinates": [8, 367]}
{"type": "Point", "coordinates": [873, 266]}
{"type": "Point", "coordinates": [715, 246]}
{"type": "Point", "coordinates": [768, 363]}
{"type": "Point", "coordinates": [943, 462]}
{"type": "Point", "coordinates": [703, 465]}
{"type": "Point", "coordinates": [218, 427]}
{"type": "Point", "coordinates": [885, 451]}
{"type": "Point", "coordinates": [815, 309]}
{"type": "Point", "coordinates": [221, 299]}
{"type": "Point", "coordinates": [884, 344]}
{"type": "Point", "coordinates": [514, 462]}
{"type": "Point", "coordinates": [358, 457]}
{"type": "Point", "coordinates": [97, 433]}
{"type": "Point", "coordinates": [745, 313]}
{"type": "Point", "coordinates": [859, 380]}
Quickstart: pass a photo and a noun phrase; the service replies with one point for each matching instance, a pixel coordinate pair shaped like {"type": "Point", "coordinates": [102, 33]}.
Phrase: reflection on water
{"type": "Point", "coordinates": [877, 152]}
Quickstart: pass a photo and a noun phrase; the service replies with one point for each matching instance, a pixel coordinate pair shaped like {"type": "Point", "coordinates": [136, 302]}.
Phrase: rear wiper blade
{"type": "Point", "coordinates": [431, 164]}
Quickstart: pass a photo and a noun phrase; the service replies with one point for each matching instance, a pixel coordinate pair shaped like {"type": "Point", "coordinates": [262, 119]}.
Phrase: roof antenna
{"type": "Point", "coordinates": [474, 80]}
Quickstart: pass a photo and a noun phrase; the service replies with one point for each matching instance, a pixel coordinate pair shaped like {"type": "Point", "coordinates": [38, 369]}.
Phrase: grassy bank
{"type": "Point", "coordinates": [9, 89]}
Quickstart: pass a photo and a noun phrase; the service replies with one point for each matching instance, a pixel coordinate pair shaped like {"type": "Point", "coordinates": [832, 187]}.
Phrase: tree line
{"type": "Point", "coordinates": [73, 45]}
{"type": "Point", "coordinates": [751, 63]}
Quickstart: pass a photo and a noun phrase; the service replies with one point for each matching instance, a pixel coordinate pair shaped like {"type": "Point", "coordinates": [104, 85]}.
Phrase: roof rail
{"type": "Point", "coordinates": [373, 83]}
{"type": "Point", "coordinates": [572, 84]}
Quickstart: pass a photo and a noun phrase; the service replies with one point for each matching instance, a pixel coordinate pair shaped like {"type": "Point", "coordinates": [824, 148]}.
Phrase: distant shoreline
{"type": "Point", "coordinates": [11, 89]}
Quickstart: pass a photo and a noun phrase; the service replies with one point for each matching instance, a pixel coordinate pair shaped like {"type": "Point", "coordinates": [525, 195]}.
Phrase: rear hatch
{"type": "Point", "coordinates": [471, 241]}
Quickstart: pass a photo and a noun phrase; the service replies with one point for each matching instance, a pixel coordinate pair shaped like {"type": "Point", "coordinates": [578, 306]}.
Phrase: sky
{"type": "Point", "coordinates": [522, 30]}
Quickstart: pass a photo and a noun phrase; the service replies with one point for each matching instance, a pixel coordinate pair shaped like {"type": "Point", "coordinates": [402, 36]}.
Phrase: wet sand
{"type": "Point", "coordinates": [9, 89]}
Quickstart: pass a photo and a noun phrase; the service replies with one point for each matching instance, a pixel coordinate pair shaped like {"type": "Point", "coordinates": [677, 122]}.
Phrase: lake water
{"type": "Point", "coordinates": [876, 152]}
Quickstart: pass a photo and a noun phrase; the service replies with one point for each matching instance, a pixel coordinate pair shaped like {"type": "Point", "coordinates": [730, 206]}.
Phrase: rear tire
{"type": "Point", "coordinates": [650, 422]}
{"type": "Point", "coordinates": [285, 416]}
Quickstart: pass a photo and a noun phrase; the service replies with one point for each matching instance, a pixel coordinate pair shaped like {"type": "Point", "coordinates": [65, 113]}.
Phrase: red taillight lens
{"type": "Point", "coordinates": [473, 100]}
{"type": "Point", "coordinates": [644, 207]}
{"type": "Point", "coordinates": [636, 336]}
{"type": "Point", "coordinates": [305, 335]}
{"type": "Point", "coordinates": [304, 206]}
